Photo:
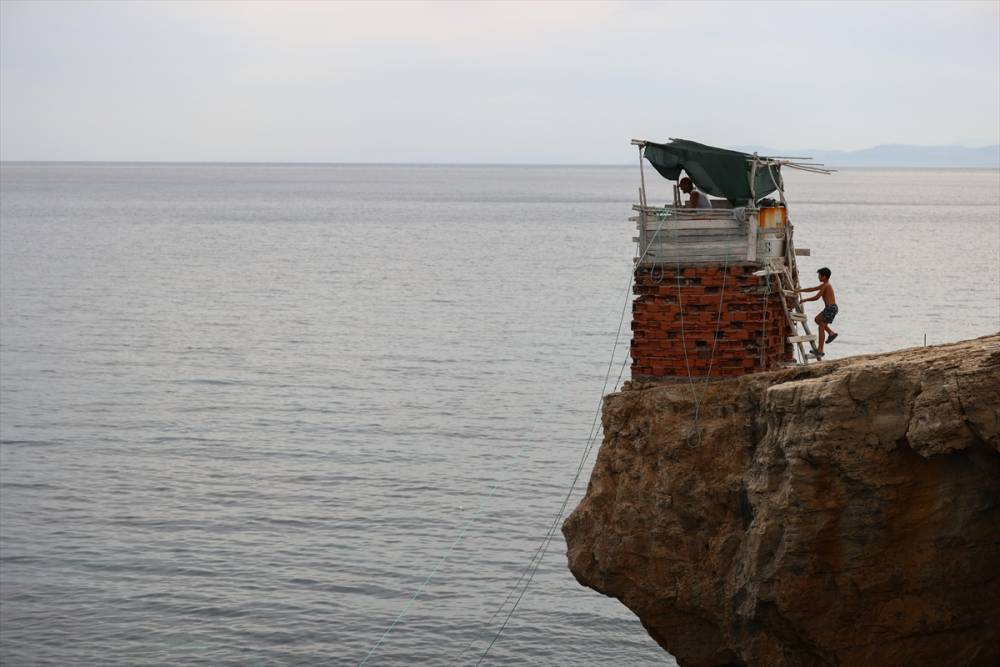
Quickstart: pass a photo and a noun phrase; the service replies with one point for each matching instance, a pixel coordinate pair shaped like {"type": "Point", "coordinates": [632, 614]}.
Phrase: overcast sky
{"type": "Point", "coordinates": [479, 82]}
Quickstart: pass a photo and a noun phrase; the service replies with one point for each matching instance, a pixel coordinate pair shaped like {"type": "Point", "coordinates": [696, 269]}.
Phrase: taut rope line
{"type": "Point", "coordinates": [441, 562]}
{"type": "Point", "coordinates": [540, 552]}
{"type": "Point", "coordinates": [698, 400]}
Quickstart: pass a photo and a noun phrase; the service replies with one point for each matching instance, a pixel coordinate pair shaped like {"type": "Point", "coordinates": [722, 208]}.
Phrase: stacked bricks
{"type": "Point", "coordinates": [752, 328]}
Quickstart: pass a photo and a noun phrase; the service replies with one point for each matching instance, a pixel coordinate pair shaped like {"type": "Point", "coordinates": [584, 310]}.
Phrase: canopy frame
{"type": "Point", "coordinates": [748, 193]}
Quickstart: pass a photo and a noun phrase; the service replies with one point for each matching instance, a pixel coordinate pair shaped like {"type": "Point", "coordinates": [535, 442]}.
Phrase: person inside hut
{"type": "Point", "coordinates": [696, 198]}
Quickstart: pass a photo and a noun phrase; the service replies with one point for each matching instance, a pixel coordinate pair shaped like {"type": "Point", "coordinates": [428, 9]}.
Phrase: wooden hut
{"type": "Point", "coordinates": [715, 286]}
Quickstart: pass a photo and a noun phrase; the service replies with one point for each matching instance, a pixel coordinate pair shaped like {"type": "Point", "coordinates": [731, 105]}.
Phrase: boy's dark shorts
{"type": "Point", "coordinates": [829, 313]}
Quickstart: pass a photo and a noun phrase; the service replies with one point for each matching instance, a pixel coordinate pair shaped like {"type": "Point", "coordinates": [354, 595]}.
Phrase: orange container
{"type": "Point", "coordinates": [773, 216]}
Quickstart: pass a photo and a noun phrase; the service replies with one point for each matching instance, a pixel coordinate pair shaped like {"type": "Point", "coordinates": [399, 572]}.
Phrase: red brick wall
{"type": "Point", "coordinates": [658, 348]}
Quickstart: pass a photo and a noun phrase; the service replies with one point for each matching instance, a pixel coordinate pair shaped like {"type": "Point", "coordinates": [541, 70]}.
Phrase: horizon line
{"type": "Point", "coordinates": [252, 163]}
{"type": "Point", "coordinates": [330, 163]}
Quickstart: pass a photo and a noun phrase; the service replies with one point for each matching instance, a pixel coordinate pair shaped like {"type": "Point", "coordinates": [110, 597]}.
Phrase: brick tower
{"type": "Point", "coordinates": [719, 321]}
{"type": "Point", "coordinates": [714, 285]}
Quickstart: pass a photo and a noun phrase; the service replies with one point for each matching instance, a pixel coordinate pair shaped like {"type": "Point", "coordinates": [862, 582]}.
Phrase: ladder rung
{"type": "Point", "coordinates": [801, 339]}
{"type": "Point", "coordinates": [788, 292]}
{"type": "Point", "coordinates": [798, 317]}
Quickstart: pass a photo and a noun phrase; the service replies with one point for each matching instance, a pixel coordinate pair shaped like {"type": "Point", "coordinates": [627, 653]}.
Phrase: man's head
{"type": "Point", "coordinates": [824, 274]}
{"type": "Point", "coordinates": [686, 185]}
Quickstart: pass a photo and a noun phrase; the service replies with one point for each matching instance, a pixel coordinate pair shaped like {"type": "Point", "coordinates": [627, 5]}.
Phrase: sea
{"type": "Point", "coordinates": [299, 414]}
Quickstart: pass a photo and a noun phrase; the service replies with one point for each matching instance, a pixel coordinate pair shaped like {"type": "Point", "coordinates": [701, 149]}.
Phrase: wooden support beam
{"type": "Point", "coordinates": [752, 239]}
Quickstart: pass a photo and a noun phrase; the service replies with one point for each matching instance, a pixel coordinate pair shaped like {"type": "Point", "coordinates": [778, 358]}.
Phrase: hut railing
{"type": "Point", "coordinates": [671, 235]}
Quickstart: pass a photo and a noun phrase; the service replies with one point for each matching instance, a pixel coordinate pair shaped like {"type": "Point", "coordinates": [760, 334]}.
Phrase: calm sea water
{"type": "Point", "coordinates": [246, 410]}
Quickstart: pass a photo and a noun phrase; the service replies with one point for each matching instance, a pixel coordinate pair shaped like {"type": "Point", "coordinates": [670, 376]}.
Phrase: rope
{"type": "Point", "coordinates": [680, 304]}
{"type": "Point", "coordinates": [590, 439]}
{"type": "Point", "coordinates": [763, 326]}
{"type": "Point", "coordinates": [437, 568]}
{"type": "Point", "coordinates": [718, 316]}
{"type": "Point", "coordinates": [536, 560]}
{"type": "Point", "coordinates": [482, 503]}
{"type": "Point", "coordinates": [715, 340]}
{"type": "Point", "coordinates": [547, 540]}
{"type": "Point", "coordinates": [698, 401]}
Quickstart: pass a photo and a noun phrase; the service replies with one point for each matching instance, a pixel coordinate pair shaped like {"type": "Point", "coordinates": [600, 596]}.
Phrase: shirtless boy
{"type": "Point", "coordinates": [825, 318]}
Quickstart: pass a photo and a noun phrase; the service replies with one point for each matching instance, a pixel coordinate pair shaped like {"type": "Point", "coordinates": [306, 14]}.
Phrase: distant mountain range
{"type": "Point", "coordinates": [893, 155]}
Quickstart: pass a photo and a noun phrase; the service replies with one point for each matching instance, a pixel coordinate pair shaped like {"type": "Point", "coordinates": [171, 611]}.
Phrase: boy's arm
{"type": "Point", "coordinates": [822, 290]}
{"type": "Point", "coordinates": [809, 289]}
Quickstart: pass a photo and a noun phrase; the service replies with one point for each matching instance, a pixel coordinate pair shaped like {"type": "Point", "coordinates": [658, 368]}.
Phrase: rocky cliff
{"type": "Point", "coordinates": [844, 513]}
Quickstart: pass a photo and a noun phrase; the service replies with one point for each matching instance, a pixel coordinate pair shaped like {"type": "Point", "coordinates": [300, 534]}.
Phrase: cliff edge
{"type": "Point", "coordinates": [844, 513]}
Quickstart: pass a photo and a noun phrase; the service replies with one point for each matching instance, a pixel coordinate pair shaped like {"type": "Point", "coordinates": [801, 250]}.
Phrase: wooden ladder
{"type": "Point", "coordinates": [794, 315]}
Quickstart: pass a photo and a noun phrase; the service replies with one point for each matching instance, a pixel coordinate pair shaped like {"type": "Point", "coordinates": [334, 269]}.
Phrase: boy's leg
{"type": "Point", "coordinates": [822, 333]}
{"type": "Point", "coordinates": [830, 333]}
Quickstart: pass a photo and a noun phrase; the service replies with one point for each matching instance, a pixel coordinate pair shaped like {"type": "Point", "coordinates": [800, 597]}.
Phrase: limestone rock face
{"type": "Point", "coordinates": [844, 513]}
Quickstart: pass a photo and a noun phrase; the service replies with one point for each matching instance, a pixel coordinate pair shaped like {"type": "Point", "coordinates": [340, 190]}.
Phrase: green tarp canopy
{"type": "Point", "coordinates": [717, 171]}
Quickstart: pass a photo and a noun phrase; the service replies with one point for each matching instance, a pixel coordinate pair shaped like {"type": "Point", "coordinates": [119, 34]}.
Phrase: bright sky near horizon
{"type": "Point", "coordinates": [551, 82]}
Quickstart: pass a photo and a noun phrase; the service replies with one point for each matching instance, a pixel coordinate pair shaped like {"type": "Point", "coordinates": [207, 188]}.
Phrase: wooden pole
{"type": "Point", "coordinates": [752, 219]}
{"type": "Point", "coordinates": [642, 203]}
{"type": "Point", "coordinates": [642, 178]}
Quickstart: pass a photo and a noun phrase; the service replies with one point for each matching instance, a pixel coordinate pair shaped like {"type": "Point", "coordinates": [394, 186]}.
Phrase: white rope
{"type": "Point", "coordinates": [539, 555]}
{"type": "Point", "coordinates": [441, 562]}
{"type": "Point", "coordinates": [715, 340]}
{"type": "Point", "coordinates": [437, 568]}
{"type": "Point", "coordinates": [684, 348]}
{"type": "Point", "coordinates": [763, 326]}
{"type": "Point", "coordinates": [547, 540]}
{"type": "Point", "coordinates": [698, 400]}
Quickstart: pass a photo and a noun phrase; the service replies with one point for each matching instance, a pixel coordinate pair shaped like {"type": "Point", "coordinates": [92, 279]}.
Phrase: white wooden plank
{"type": "Point", "coordinates": [707, 260]}
{"type": "Point", "coordinates": [682, 244]}
{"type": "Point", "coordinates": [683, 214]}
{"type": "Point", "coordinates": [720, 236]}
{"type": "Point", "coordinates": [689, 234]}
{"type": "Point", "coordinates": [699, 249]}
{"type": "Point", "coordinates": [662, 252]}
{"type": "Point", "coordinates": [717, 237]}
{"type": "Point", "coordinates": [803, 252]}
{"type": "Point", "coordinates": [707, 222]}
{"type": "Point", "coordinates": [696, 239]}
{"type": "Point", "coordinates": [736, 237]}
{"type": "Point", "coordinates": [653, 223]}
{"type": "Point", "coordinates": [801, 339]}
{"type": "Point", "coordinates": [687, 261]}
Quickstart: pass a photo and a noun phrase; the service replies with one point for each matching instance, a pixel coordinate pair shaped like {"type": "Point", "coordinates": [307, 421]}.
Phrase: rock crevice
{"type": "Point", "coordinates": [846, 513]}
